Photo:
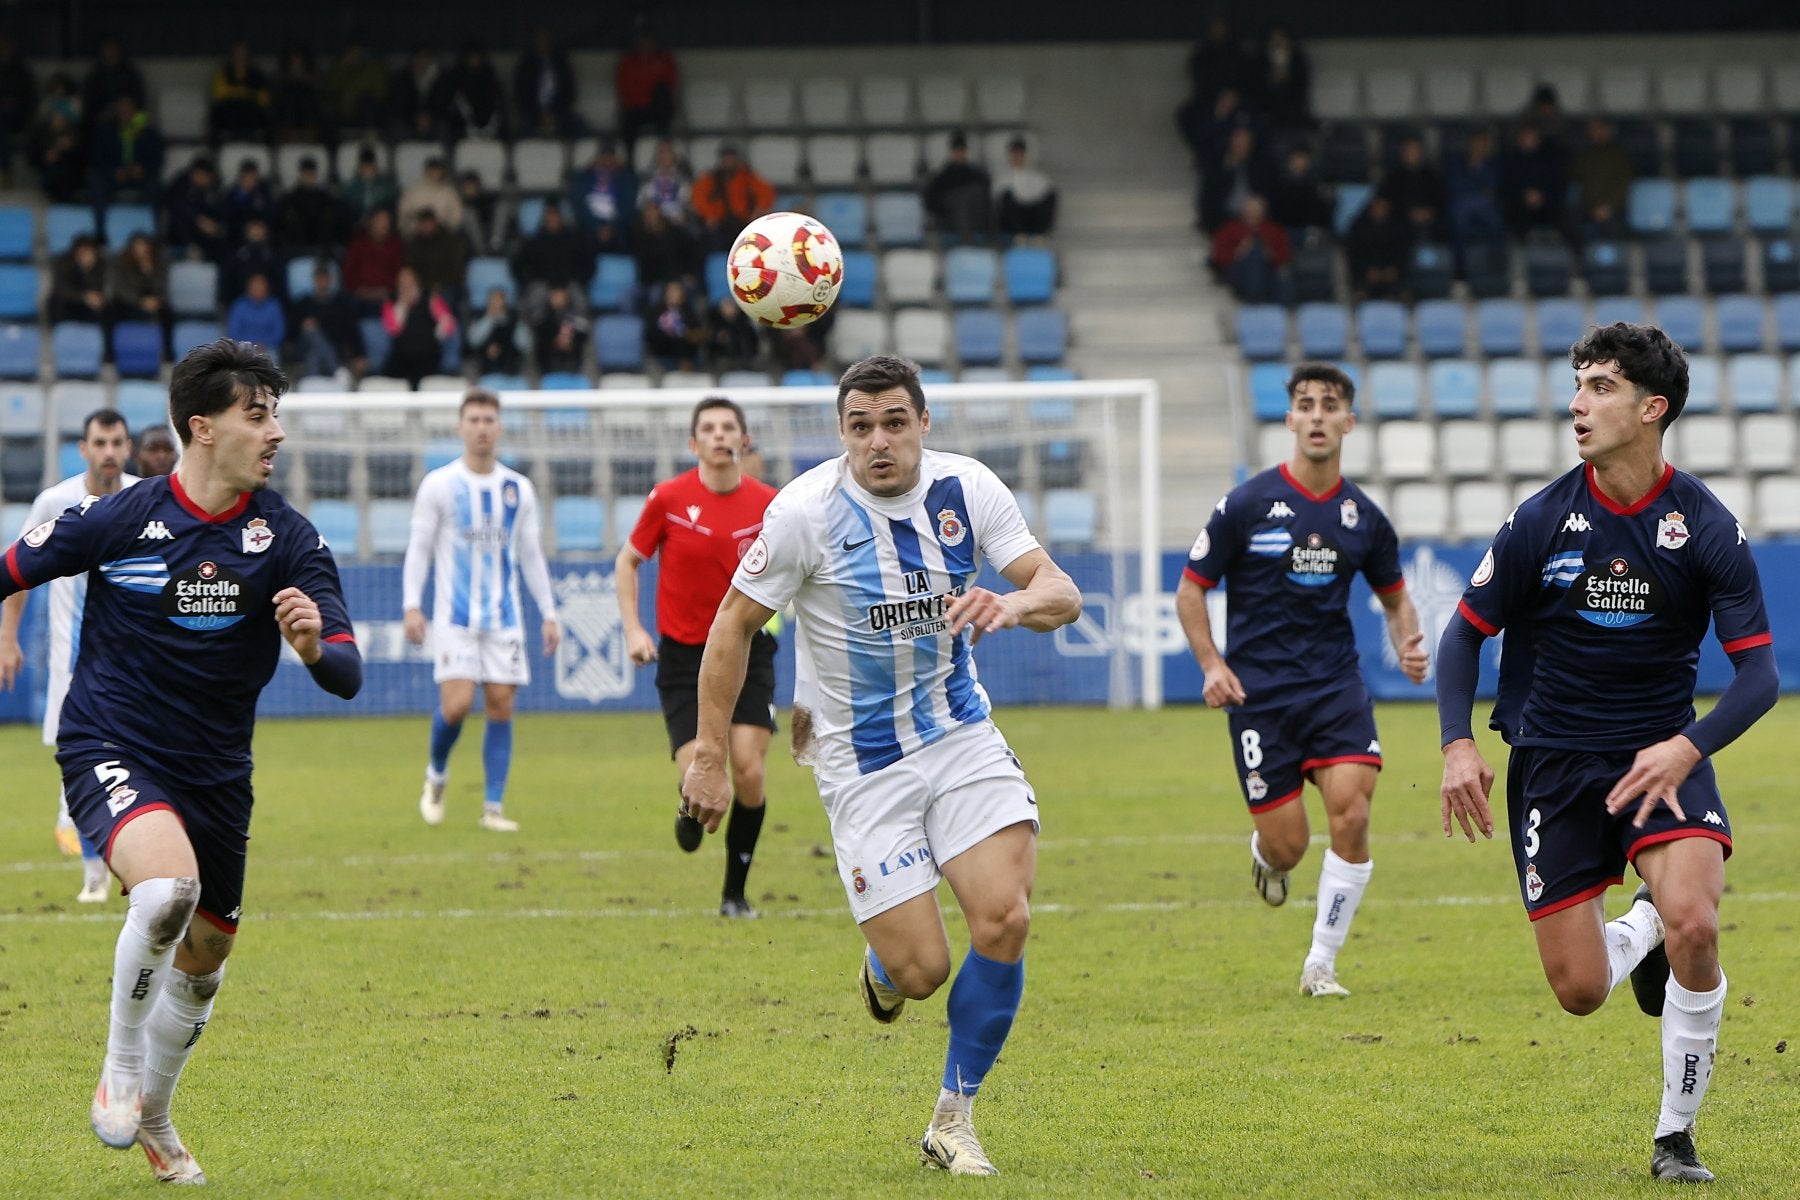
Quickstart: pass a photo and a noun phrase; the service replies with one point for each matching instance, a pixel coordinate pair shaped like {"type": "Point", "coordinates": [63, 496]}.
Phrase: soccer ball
{"type": "Point", "coordinates": [785, 269]}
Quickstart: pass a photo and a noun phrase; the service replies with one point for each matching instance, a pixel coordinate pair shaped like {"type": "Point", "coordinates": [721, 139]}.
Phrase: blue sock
{"type": "Point", "coordinates": [496, 760]}
{"type": "Point", "coordinates": [983, 1001]}
{"type": "Point", "coordinates": [879, 971]}
{"type": "Point", "coordinates": [443, 740]}
{"type": "Point", "coordinates": [88, 849]}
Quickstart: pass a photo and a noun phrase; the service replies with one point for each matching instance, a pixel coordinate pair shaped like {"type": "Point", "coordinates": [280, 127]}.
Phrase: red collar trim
{"type": "Point", "coordinates": [187, 502]}
{"type": "Point", "coordinates": [1613, 506]}
{"type": "Point", "coordinates": [1327, 494]}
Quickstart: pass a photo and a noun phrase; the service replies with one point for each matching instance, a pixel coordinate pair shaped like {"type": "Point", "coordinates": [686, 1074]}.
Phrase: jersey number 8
{"type": "Point", "coordinates": [1251, 743]}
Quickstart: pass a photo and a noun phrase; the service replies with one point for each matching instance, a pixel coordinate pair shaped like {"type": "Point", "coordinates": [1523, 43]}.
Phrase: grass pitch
{"type": "Point", "coordinates": [446, 1012]}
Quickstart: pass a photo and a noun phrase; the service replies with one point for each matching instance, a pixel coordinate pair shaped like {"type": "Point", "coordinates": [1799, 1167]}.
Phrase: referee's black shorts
{"type": "Point", "coordinates": [678, 683]}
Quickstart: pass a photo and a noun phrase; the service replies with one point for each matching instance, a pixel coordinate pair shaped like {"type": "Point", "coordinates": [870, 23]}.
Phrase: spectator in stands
{"type": "Point", "coordinates": [296, 108]}
{"type": "Point", "coordinates": [112, 75]}
{"type": "Point", "coordinates": [561, 333]}
{"type": "Point", "coordinates": [255, 252]}
{"type": "Point", "coordinates": [327, 336]}
{"type": "Point", "coordinates": [1415, 187]}
{"type": "Point", "coordinates": [18, 105]}
{"type": "Point", "coordinates": [1241, 172]}
{"type": "Point", "coordinates": [555, 251]}
{"type": "Point", "coordinates": [256, 316]}
{"type": "Point", "coordinates": [733, 340]}
{"type": "Point", "coordinates": [355, 91]}
{"type": "Point", "coordinates": [410, 94]}
{"type": "Point", "coordinates": [199, 223]}
{"type": "Point", "coordinates": [959, 195]}
{"type": "Point", "coordinates": [1473, 186]}
{"type": "Point", "coordinates": [1024, 197]}
{"type": "Point", "coordinates": [1297, 200]}
{"type": "Point", "coordinates": [468, 99]}
{"type": "Point", "coordinates": [544, 89]}
{"type": "Point", "coordinates": [249, 196]}
{"type": "Point", "coordinates": [668, 185]}
{"type": "Point", "coordinates": [57, 152]}
{"type": "Point", "coordinates": [1217, 62]}
{"type": "Point", "coordinates": [373, 261]}
{"type": "Point", "coordinates": [487, 215]}
{"type": "Point", "coordinates": [1601, 173]}
{"type": "Point", "coordinates": [310, 219]}
{"type": "Point", "coordinates": [155, 452]}
{"type": "Point", "coordinates": [663, 250]}
{"type": "Point", "coordinates": [1534, 182]}
{"type": "Point", "coordinates": [729, 197]}
{"type": "Point", "coordinates": [673, 332]}
{"type": "Point", "coordinates": [498, 340]}
{"type": "Point", "coordinates": [433, 191]}
{"type": "Point", "coordinates": [140, 283]}
{"type": "Point", "coordinates": [646, 80]}
{"type": "Point", "coordinates": [369, 187]}
{"type": "Point", "coordinates": [1249, 252]}
{"type": "Point", "coordinates": [1543, 112]}
{"type": "Point", "coordinates": [605, 196]}
{"type": "Point", "coordinates": [241, 97]}
{"type": "Point", "coordinates": [1211, 133]}
{"type": "Point", "coordinates": [436, 255]}
{"type": "Point", "coordinates": [1283, 85]}
{"type": "Point", "coordinates": [1377, 248]}
{"type": "Point", "coordinates": [128, 157]}
{"type": "Point", "coordinates": [419, 325]}
{"type": "Point", "coordinates": [78, 283]}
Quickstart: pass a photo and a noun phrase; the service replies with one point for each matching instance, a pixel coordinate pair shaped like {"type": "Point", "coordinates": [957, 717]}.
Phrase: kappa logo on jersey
{"type": "Point", "coordinates": [1712, 818]}
{"type": "Point", "coordinates": [1672, 531]}
{"type": "Point", "coordinates": [1575, 523]}
{"type": "Point", "coordinates": [155, 531]}
{"type": "Point", "coordinates": [1617, 599]}
{"type": "Point", "coordinates": [88, 502]}
{"type": "Point", "coordinates": [258, 536]}
{"type": "Point", "coordinates": [205, 598]}
{"type": "Point", "coordinates": [41, 534]}
{"type": "Point", "coordinates": [1534, 883]}
{"type": "Point", "coordinates": [1347, 514]}
{"type": "Point", "coordinates": [1278, 511]}
{"type": "Point", "coordinates": [1374, 746]}
{"type": "Point", "coordinates": [1220, 506]}
{"type": "Point", "coordinates": [1742, 536]}
{"type": "Point", "coordinates": [1314, 564]}
{"type": "Point", "coordinates": [951, 530]}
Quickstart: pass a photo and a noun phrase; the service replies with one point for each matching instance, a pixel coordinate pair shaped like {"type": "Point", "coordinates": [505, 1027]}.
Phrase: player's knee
{"type": "Point", "coordinates": [1580, 993]}
{"type": "Point", "coordinates": [916, 978]}
{"type": "Point", "coordinates": [167, 907]}
{"type": "Point", "coordinates": [1283, 851]}
{"type": "Point", "coordinates": [205, 987]}
{"type": "Point", "coordinates": [1001, 931]}
{"type": "Point", "coordinates": [747, 782]}
{"type": "Point", "coordinates": [1691, 932]}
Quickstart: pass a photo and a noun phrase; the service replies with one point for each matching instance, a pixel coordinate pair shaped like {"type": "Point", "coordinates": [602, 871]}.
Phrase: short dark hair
{"type": "Point", "coordinates": [717, 402]}
{"type": "Point", "coordinates": [878, 373]}
{"type": "Point", "coordinates": [106, 418]}
{"type": "Point", "coordinates": [1322, 372]}
{"type": "Point", "coordinates": [155, 433]}
{"type": "Point", "coordinates": [211, 378]}
{"type": "Point", "coordinates": [1646, 356]}
{"type": "Point", "coordinates": [486, 397]}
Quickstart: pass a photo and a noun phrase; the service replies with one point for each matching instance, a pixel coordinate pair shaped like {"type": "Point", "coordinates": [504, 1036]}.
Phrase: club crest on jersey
{"type": "Point", "coordinates": [693, 512]}
{"type": "Point", "coordinates": [509, 494]}
{"type": "Point", "coordinates": [951, 530]}
{"type": "Point", "coordinates": [1347, 514]}
{"type": "Point", "coordinates": [1255, 787]}
{"type": "Point", "coordinates": [1672, 531]}
{"type": "Point", "coordinates": [40, 534]}
{"type": "Point", "coordinates": [857, 881]}
{"type": "Point", "coordinates": [258, 536]}
{"type": "Point", "coordinates": [1534, 883]}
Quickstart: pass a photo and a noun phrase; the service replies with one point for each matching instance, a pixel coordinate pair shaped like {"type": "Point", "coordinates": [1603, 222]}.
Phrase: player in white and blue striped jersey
{"type": "Point", "coordinates": [878, 552]}
{"type": "Point", "coordinates": [475, 526]}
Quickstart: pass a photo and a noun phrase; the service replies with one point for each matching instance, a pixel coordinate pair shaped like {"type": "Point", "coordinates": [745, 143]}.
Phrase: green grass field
{"type": "Point", "coordinates": [445, 1012]}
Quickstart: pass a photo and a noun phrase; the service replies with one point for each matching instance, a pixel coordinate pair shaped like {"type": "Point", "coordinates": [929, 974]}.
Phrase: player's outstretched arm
{"type": "Point", "coordinates": [1046, 599]}
{"type": "Point", "coordinates": [1222, 684]}
{"type": "Point", "coordinates": [1468, 780]}
{"type": "Point", "coordinates": [1403, 632]}
{"type": "Point", "coordinates": [706, 789]}
{"type": "Point", "coordinates": [12, 655]}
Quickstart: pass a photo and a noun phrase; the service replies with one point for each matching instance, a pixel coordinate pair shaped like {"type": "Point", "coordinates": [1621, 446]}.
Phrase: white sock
{"type": "Point", "coordinates": [1636, 933]}
{"type": "Point", "coordinates": [63, 819]}
{"type": "Point", "coordinates": [949, 1101]}
{"type": "Point", "coordinates": [158, 916]}
{"type": "Point", "coordinates": [180, 1017]}
{"type": "Point", "coordinates": [1690, 1038]}
{"type": "Point", "coordinates": [1341, 887]}
{"type": "Point", "coordinates": [436, 778]}
{"type": "Point", "coordinates": [1256, 853]}
{"type": "Point", "coordinates": [93, 873]}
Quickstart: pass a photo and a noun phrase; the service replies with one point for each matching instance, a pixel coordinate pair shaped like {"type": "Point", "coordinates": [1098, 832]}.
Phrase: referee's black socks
{"type": "Point", "coordinates": [740, 845]}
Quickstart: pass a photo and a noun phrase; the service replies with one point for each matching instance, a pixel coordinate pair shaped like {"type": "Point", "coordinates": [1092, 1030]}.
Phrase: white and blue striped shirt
{"type": "Point", "coordinates": [870, 578]}
{"type": "Point", "coordinates": [477, 534]}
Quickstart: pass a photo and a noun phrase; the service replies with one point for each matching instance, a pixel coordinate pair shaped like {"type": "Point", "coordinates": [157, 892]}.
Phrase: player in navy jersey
{"type": "Point", "coordinates": [194, 581]}
{"type": "Point", "coordinates": [1604, 584]}
{"type": "Point", "coordinates": [1289, 540]}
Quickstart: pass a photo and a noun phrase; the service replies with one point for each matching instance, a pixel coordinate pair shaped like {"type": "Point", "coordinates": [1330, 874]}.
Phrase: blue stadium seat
{"type": "Point", "coordinates": [194, 289]}
{"type": "Point", "coordinates": [564, 381]}
{"type": "Point", "coordinates": [124, 220]}
{"type": "Point", "coordinates": [375, 342]}
{"type": "Point", "coordinates": [1455, 385]}
{"type": "Point", "coordinates": [1443, 328]}
{"type": "Point", "coordinates": [509, 383]}
{"type": "Point", "coordinates": [19, 351]}
{"type": "Point", "coordinates": [1709, 204]}
{"type": "Point", "coordinates": [1723, 265]}
{"type": "Point", "coordinates": [1753, 146]}
{"type": "Point", "coordinates": [21, 474]}
{"type": "Point", "coordinates": [1513, 385]}
{"type": "Point", "coordinates": [1268, 391]}
{"type": "Point", "coordinates": [137, 348]}
{"type": "Point", "coordinates": [846, 214]}
{"type": "Point", "coordinates": [1754, 381]}
{"type": "Point", "coordinates": [300, 275]}
{"type": "Point", "coordinates": [1740, 322]}
{"type": "Point", "coordinates": [21, 416]}
{"type": "Point", "coordinates": [1610, 310]}
{"type": "Point", "coordinates": [797, 377]}
{"type": "Point", "coordinates": [531, 214]}
{"type": "Point", "coordinates": [1683, 318]}
{"type": "Point", "coordinates": [1344, 154]}
{"type": "Point", "coordinates": [441, 452]}
{"type": "Point", "coordinates": [1787, 321]}
{"type": "Point", "coordinates": [390, 527]}
{"type": "Point", "coordinates": [1488, 269]}
{"type": "Point", "coordinates": [858, 290]}
{"type": "Point", "coordinates": [1381, 328]}
{"type": "Point", "coordinates": [1650, 206]}
{"type": "Point", "coordinates": [1769, 204]}
{"type": "Point", "coordinates": [623, 515]}
{"type": "Point", "coordinates": [69, 461]}
{"type": "Point", "coordinates": [1395, 389]}
{"type": "Point", "coordinates": [142, 404]}
{"type": "Point", "coordinates": [1043, 335]}
{"type": "Point", "coordinates": [339, 522]}
{"type": "Point", "coordinates": [899, 219]}
{"type": "Point", "coordinates": [1500, 327]}
{"type": "Point", "coordinates": [1549, 268]}
{"type": "Point", "coordinates": [18, 226]}
{"type": "Point", "coordinates": [1432, 272]}
{"type": "Point", "coordinates": [1666, 266]}
{"type": "Point", "coordinates": [614, 287]}
{"type": "Point", "coordinates": [482, 276]}
{"type": "Point", "coordinates": [1560, 324]}
{"type": "Point", "coordinates": [188, 334]}
{"type": "Point", "coordinates": [980, 336]}
{"type": "Point", "coordinates": [1604, 267]}
{"type": "Point", "coordinates": [580, 523]}
{"type": "Point", "coordinates": [1262, 331]}
{"type": "Point", "coordinates": [1352, 198]}
{"type": "Point", "coordinates": [718, 284]}
{"type": "Point", "coordinates": [63, 223]}
{"type": "Point", "coordinates": [1042, 374]}
{"type": "Point", "coordinates": [76, 350]}
{"type": "Point", "coordinates": [1030, 275]}
{"type": "Point", "coordinates": [1324, 330]}
{"type": "Point", "coordinates": [18, 292]}
{"type": "Point", "coordinates": [1706, 377]}
{"type": "Point", "coordinates": [969, 275]}
{"type": "Point", "coordinates": [1071, 517]}
{"type": "Point", "coordinates": [1313, 273]}
{"type": "Point", "coordinates": [1696, 147]}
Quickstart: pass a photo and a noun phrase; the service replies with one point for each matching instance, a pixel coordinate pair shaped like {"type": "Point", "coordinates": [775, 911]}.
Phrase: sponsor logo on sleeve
{"type": "Point", "coordinates": [756, 558]}
{"type": "Point", "coordinates": [1202, 545]}
{"type": "Point", "coordinates": [1484, 573]}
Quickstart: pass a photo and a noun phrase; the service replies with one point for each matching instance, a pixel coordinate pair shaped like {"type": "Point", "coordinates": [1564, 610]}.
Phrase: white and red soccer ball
{"type": "Point", "coordinates": [785, 269]}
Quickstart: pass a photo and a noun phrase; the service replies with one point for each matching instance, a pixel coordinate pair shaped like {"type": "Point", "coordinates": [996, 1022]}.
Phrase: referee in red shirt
{"type": "Point", "coordinates": [702, 521]}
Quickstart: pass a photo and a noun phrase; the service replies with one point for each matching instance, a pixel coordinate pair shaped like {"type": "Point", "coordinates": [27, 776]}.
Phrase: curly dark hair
{"type": "Point", "coordinates": [1322, 372]}
{"type": "Point", "coordinates": [1646, 356]}
{"type": "Point", "coordinates": [210, 379]}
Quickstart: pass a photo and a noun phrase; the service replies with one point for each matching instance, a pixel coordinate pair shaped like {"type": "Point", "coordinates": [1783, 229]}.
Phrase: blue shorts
{"type": "Point", "coordinates": [1277, 749]}
{"type": "Point", "coordinates": [108, 789]}
{"type": "Point", "coordinates": [1567, 847]}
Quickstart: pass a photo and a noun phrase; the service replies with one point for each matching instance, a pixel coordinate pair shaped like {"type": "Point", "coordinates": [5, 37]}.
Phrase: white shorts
{"type": "Point", "coordinates": [493, 656]}
{"type": "Point", "coordinates": [894, 829]}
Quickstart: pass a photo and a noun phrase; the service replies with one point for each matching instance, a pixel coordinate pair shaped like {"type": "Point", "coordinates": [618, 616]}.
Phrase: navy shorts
{"type": "Point", "coordinates": [1277, 749]}
{"type": "Point", "coordinates": [678, 684]}
{"type": "Point", "coordinates": [1567, 847]}
{"type": "Point", "coordinates": [108, 789]}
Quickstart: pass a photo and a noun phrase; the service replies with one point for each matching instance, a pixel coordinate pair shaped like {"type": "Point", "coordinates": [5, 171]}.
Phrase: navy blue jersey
{"type": "Point", "coordinates": [1289, 556]}
{"type": "Point", "coordinates": [178, 630]}
{"type": "Point", "coordinates": [1612, 604]}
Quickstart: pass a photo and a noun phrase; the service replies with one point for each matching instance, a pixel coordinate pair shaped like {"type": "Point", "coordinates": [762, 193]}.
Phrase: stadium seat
{"type": "Point", "coordinates": [710, 104]}
{"type": "Point", "coordinates": [922, 335]}
{"type": "Point", "coordinates": [884, 100]}
{"type": "Point", "coordinates": [1528, 449]}
{"type": "Point", "coordinates": [846, 214]}
{"type": "Point", "coordinates": [123, 220]}
{"type": "Point", "coordinates": [1639, 138]}
{"type": "Point", "coordinates": [410, 158]}
{"type": "Point", "coordinates": [579, 523]}
{"type": "Point", "coordinates": [1610, 310]}
{"type": "Point", "coordinates": [943, 99]}
{"type": "Point", "coordinates": [1709, 203]}
{"type": "Point", "coordinates": [856, 334]}
{"type": "Point", "coordinates": [1455, 386]}
{"type": "Point", "coordinates": [910, 276]}
{"type": "Point", "coordinates": [1768, 440]}
{"type": "Point", "coordinates": [891, 159]}
{"type": "Point", "coordinates": [1324, 330]}
{"type": "Point", "coordinates": [339, 522]}
{"type": "Point", "coordinates": [1420, 510]}
{"type": "Point", "coordinates": [969, 275]}
{"type": "Point", "coordinates": [188, 334]}
{"type": "Point", "coordinates": [69, 461]}
{"type": "Point", "coordinates": [980, 336]}
{"type": "Point", "coordinates": [1723, 266]}
{"type": "Point", "coordinates": [1313, 273]}
{"type": "Point", "coordinates": [76, 350]}
{"type": "Point", "coordinates": [1432, 272]}
{"type": "Point", "coordinates": [1000, 99]}
{"type": "Point", "coordinates": [1500, 327]}
{"type": "Point", "coordinates": [1666, 266]}
{"type": "Point", "coordinates": [801, 377]}
{"type": "Point", "coordinates": [299, 275]}
{"type": "Point", "coordinates": [566, 381]}
{"type": "Point", "coordinates": [1029, 275]}
{"type": "Point", "coordinates": [1754, 146]}
{"type": "Point", "coordinates": [1740, 322]}
{"type": "Point", "coordinates": [1275, 444]}
{"type": "Point", "coordinates": [1048, 374]}
{"type": "Point", "coordinates": [375, 342]}
{"type": "Point", "coordinates": [63, 223]}
{"type": "Point", "coordinates": [194, 289]}
{"type": "Point", "coordinates": [539, 165]}
{"type": "Point", "coordinates": [1043, 335]}
{"type": "Point", "coordinates": [1683, 318]}
{"type": "Point", "coordinates": [1778, 503]}
{"type": "Point", "coordinates": [137, 348]}
{"type": "Point", "coordinates": [1605, 269]}
{"type": "Point", "coordinates": [1337, 93]}
{"type": "Point", "coordinates": [1478, 507]}
{"type": "Point", "coordinates": [1443, 328]}
{"type": "Point", "coordinates": [1549, 267]}
{"type": "Point", "coordinates": [18, 292]}
{"type": "Point", "coordinates": [619, 343]}
{"type": "Point", "coordinates": [1405, 448]}
{"type": "Point", "coordinates": [899, 219]}
{"type": "Point", "coordinates": [769, 104]}
{"type": "Point", "coordinates": [1624, 87]}
{"type": "Point", "coordinates": [1560, 324]}
{"type": "Point", "coordinates": [142, 403]}
{"type": "Point", "coordinates": [1769, 204]}
{"type": "Point", "coordinates": [1488, 267]}
{"type": "Point", "coordinates": [1706, 380]}
{"type": "Point", "coordinates": [1513, 387]}
{"type": "Point", "coordinates": [833, 160]}
{"type": "Point", "coordinates": [1708, 444]}
{"type": "Point", "coordinates": [1505, 88]}
{"type": "Point", "coordinates": [383, 383]}
{"type": "Point", "coordinates": [718, 285]}
{"type": "Point", "coordinates": [614, 286]}
{"type": "Point", "coordinates": [20, 351]}
{"type": "Point", "coordinates": [22, 409]}
{"type": "Point", "coordinates": [1262, 331]}
{"type": "Point", "coordinates": [860, 275]}
{"type": "Point", "coordinates": [1352, 198]}
{"type": "Point", "coordinates": [1650, 207]}
{"type": "Point", "coordinates": [1395, 389]}
{"type": "Point", "coordinates": [1381, 328]}
{"type": "Point", "coordinates": [1268, 391]}
{"type": "Point", "coordinates": [1787, 321]}
{"type": "Point", "coordinates": [1357, 458]}
{"type": "Point", "coordinates": [825, 102]}
{"type": "Point", "coordinates": [18, 229]}
{"type": "Point", "coordinates": [776, 157]}
{"type": "Point", "coordinates": [1465, 449]}
{"type": "Point", "coordinates": [487, 158]}
{"type": "Point", "coordinates": [1754, 382]}
{"type": "Point", "coordinates": [1696, 147]}
{"type": "Point", "coordinates": [21, 474]}
{"type": "Point", "coordinates": [483, 275]}
{"type": "Point", "coordinates": [1071, 518]}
